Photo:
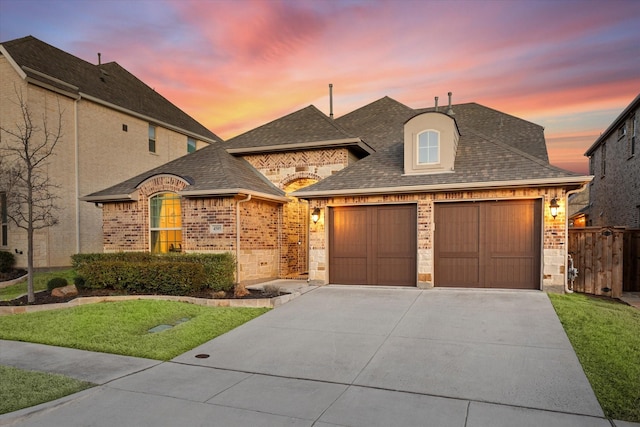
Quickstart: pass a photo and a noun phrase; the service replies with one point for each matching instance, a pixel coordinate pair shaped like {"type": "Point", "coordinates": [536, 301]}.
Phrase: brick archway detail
{"type": "Point", "coordinates": [296, 176]}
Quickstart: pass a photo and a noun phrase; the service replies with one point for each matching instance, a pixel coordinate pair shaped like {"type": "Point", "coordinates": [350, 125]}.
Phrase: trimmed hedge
{"type": "Point", "coordinates": [7, 261]}
{"type": "Point", "coordinates": [170, 274]}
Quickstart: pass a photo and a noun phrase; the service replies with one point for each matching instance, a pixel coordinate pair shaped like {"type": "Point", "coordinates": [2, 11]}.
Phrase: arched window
{"type": "Point", "coordinates": [429, 147]}
{"type": "Point", "coordinates": [165, 223]}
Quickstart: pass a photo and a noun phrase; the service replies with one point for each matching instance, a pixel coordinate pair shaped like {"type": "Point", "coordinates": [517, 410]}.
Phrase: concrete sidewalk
{"type": "Point", "coordinates": [346, 356]}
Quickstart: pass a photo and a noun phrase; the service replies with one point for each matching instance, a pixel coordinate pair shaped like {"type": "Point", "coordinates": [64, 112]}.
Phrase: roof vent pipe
{"type": "Point", "coordinates": [450, 109]}
{"type": "Point", "coordinates": [99, 60]}
{"type": "Point", "coordinates": [331, 100]}
{"type": "Point", "coordinates": [436, 103]}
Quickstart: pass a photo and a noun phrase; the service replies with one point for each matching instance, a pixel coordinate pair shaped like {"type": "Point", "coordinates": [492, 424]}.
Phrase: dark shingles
{"type": "Point", "coordinates": [498, 126]}
{"type": "Point", "coordinates": [108, 82]}
{"type": "Point", "coordinates": [306, 125]}
{"type": "Point", "coordinates": [379, 124]}
{"type": "Point", "coordinates": [210, 169]}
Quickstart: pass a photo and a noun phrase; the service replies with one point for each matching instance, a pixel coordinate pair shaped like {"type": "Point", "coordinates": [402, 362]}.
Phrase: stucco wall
{"type": "Point", "coordinates": [553, 238]}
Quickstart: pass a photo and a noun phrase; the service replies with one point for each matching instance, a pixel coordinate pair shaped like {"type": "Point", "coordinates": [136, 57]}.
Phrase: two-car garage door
{"type": "Point", "coordinates": [494, 244]}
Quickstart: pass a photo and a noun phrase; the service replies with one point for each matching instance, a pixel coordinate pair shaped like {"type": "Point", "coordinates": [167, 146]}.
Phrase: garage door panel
{"type": "Point", "coordinates": [395, 271]}
{"type": "Point", "coordinates": [516, 273]}
{"type": "Point", "coordinates": [507, 237]}
{"type": "Point", "coordinates": [349, 271]}
{"type": "Point", "coordinates": [382, 238]}
{"type": "Point", "coordinates": [461, 228]}
{"type": "Point", "coordinates": [395, 232]}
{"type": "Point", "coordinates": [459, 272]}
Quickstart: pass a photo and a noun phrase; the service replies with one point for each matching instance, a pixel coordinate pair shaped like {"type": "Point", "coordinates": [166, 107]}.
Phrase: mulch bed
{"type": "Point", "coordinates": [44, 297]}
{"type": "Point", "coordinates": [12, 274]}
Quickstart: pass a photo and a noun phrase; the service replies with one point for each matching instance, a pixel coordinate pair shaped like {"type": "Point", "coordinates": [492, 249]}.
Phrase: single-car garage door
{"type": "Point", "coordinates": [373, 245]}
{"type": "Point", "coordinates": [488, 244]}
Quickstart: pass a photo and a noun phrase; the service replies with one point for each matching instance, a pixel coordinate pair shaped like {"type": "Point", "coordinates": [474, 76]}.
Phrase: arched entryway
{"type": "Point", "coordinates": [294, 261]}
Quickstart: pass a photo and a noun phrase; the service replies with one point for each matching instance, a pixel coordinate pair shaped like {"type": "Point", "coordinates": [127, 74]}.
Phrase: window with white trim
{"type": "Point", "coordinates": [152, 139]}
{"type": "Point", "coordinates": [191, 145]}
{"type": "Point", "coordinates": [165, 223]}
{"type": "Point", "coordinates": [429, 147]}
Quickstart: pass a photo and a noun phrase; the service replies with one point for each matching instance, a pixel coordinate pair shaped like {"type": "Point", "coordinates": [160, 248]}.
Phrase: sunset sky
{"type": "Point", "coordinates": [570, 66]}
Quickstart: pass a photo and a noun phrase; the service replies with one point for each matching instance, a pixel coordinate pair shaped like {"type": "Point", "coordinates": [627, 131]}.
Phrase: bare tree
{"type": "Point", "coordinates": [26, 149]}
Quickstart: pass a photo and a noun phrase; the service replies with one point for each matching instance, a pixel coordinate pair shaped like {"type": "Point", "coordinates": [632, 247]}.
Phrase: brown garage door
{"type": "Point", "coordinates": [373, 245]}
{"type": "Point", "coordinates": [488, 244]}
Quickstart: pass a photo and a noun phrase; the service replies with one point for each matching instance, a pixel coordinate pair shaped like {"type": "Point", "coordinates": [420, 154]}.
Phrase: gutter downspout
{"type": "Point", "coordinates": [566, 233]}
{"type": "Point", "coordinates": [77, 171]}
{"type": "Point", "coordinates": [238, 236]}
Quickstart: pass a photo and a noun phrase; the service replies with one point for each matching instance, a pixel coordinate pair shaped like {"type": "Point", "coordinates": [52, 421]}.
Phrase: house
{"type": "Point", "coordinates": [614, 161]}
{"type": "Point", "coordinates": [113, 126]}
{"type": "Point", "coordinates": [385, 195]}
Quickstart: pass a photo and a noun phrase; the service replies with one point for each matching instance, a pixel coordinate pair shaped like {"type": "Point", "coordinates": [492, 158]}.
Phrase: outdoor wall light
{"type": "Point", "coordinates": [315, 215]}
{"type": "Point", "coordinates": [553, 207]}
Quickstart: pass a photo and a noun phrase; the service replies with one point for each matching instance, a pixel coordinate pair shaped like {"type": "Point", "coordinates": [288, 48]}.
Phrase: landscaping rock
{"type": "Point", "coordinates": [66, 291]}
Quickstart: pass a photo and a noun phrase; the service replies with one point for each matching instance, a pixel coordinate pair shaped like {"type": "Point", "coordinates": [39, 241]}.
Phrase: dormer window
{"type": "Point", "coordinates": [430, 143]}
{"type": "Point", "coordinates": [429, 147]}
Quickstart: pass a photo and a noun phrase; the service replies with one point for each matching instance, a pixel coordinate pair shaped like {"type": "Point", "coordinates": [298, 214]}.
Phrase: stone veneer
{"type": "Point", "coordinates": [554, 230]}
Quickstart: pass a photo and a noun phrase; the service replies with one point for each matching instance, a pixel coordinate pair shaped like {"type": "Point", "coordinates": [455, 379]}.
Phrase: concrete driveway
{"type": "Point", "coordinates": [352, 356]}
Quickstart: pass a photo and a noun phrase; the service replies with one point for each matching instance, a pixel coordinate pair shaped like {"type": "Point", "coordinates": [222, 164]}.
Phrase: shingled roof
{"type": "Point", "coordinates": [494, 150]}
{"type": "Point", "coordinates": [210, 171]}
{"type": "Point", "coordinates": [307, 128]}
{"type": "Point", "coordinates": [109, 83]}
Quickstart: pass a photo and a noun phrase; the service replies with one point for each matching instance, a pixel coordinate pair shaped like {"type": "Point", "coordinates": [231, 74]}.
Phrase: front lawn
{"type": "Point", "coordinates": [22, 389]}
{"type": "Point", "coordinates": [39, 283]}
{"type": "Point", "coordinates": [605, 335]}
{"type": "Point", "coordinates": [123, 327]}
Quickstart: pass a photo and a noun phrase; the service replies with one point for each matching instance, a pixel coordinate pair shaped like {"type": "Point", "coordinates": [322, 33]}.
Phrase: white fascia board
{"type": "Point", "coordinates": [48, 77]}
{"type": "Point", "coordinates": [233, 192]}
{"type": "Point", "coordinates": [147, 118]}
{"type": "Point", "coordinates": [333, 143]}
{"type": "Point", "coordinates": [132, 197]}
{"type": "Point", "coordinates": [578, 180]}
{"type": "Point", "coordinates": [13, 63]}
{"type": "Point", "coordinates": [46, 86]}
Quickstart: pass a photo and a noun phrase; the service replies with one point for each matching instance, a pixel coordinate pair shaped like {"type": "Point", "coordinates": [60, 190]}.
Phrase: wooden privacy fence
{"type": "Point", "coordinates": [607, 260]}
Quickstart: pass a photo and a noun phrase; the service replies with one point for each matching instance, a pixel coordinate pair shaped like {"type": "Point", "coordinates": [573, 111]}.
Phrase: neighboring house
{"type": "Point", "coordinates": [385, 195]}
{"type": "Point", "coordinates": [577, 208]}
{"type": "Point", "coordinates": [614, 161]}
{"type": "Point", "coordinates": [113, 126]}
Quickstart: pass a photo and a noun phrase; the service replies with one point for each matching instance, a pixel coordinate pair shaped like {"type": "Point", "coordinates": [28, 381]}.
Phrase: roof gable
{"type": "Point", "coordinates": [379, 124]}
{"type": "Point", "coordinates": [306, 125]}
{"type": "Point", "coordinates": [109, 83]}
{"type": "Point", "coordinates": [209, 171]}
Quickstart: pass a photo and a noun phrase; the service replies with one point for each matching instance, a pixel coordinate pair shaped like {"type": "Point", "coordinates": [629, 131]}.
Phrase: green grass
{"type": "Point", "coordinates": [21, 389]}
{"type": "Point", "coordinates": [122, 327]}
{"type": "Point", "coordinates": [606, 337]}
{"type": "Point", "coordinates": [39, 283]}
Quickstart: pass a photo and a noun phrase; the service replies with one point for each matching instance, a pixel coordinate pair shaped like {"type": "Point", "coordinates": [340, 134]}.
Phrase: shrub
{"type": "Point", "coordinates": [167, 278]}
{"type": "Point", "coordinates": [7, 261]}
{"type": "Point", "coordinates": [79, 281]}
{"type": "Point", "coordinates": [219, 269]}
{"type": "Point", "coordinates": [57, 282]}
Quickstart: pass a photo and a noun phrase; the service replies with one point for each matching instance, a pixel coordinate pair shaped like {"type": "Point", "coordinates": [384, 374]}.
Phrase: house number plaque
{"type": "Point", "coordinates": [216, 228]}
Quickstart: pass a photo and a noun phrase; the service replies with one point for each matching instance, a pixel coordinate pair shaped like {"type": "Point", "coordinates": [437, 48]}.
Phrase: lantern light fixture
{"type": "Point", "coordinates": [315, 215]}
{"type": "Point", "coordinates": [553, 207]}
